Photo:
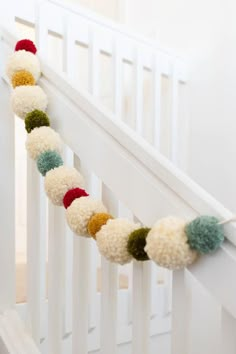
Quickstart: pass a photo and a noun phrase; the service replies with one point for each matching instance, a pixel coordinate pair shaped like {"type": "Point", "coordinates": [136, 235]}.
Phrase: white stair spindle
{"type": "Point", "coordinates": [7, 217]}
{"type": "Point", "coordinates": [157, 102]}
{"type": "Point", "coordinates": [117, 80]}
{"type": "Point", "coordinates": [141, 307]}
{"type": "Point", "coordinates": [109, 290]}
{"type": "Point", "coordinates": [41, 28]}
{"type": "Point", "coordinates": [174, 117]}
{"type": "Point", "coordinates": [179, 335]}
{"type": "Point", "coordinates": [56, 259]}
{"type": "Point", "coordinates": [138, 87]}
{"type": "Point", "coordinates": [81, 278]}
{"type": "Point", "coordinates": [36, 251]}
{"type": "Point", "coordinates": [93, 64]}
{"type": "Point", "coordinates": [228, 330]}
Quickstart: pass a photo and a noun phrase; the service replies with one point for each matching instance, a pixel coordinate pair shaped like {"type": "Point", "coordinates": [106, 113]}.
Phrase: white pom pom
{"type": "Point", "coordinates": [42, 139]}
{"type": "Point", "coordinates": [26, 99]}
{"type": "Point", "coordinates": [59, 180]}
{"type": "Point", "coordinates": [167, 244]}
{"type": "Point", "coordinates": [23, 60]}
{"type": "Point", "coordinates": [112, 240]}
{"type": "Point", "coordinates": [79, 213]}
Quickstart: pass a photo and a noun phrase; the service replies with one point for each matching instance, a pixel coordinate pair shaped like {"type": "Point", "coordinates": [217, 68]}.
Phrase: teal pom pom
{"type": "Point", "coordinates": [48, 160]}
{"type": "Point", "coordinates": [205, 234]}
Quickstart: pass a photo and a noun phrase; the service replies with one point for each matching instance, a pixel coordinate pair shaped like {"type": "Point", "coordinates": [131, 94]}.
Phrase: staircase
{"type": "Point", "coordinates": [115, 137]}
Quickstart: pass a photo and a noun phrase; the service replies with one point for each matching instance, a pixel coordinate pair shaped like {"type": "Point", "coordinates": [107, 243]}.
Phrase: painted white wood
{"type": "Point", "coordinates": [175, 129]}
{"type": "Point", "coordinates": [228, 329]}
{"type": "Point", "coordinates": [41, 28]}
{"type": "Point", "coordinates": [117, 79]}
{"type": "Point", "coordinates": [93, 63]}
{"type": "Point", "coordinates": [14, 338]}
{"type": "Point", "coordinates": [68, 158]}
{"type": "Point", "coordinates": [141, 307]}
{"type": "Point", "coordinates": [157, 101]}
{"type": "Point", "coordinates": [80, 295]}
{"type": "Point", "coordinates": [36, 251]}
{"type": "Point", "coordinates": [179, 333]}
{"type": "Point", "coordinates": [138, 89]}
{"type": "Point", "coordinates": [109, 289]}
{"type": "Point", "coordinates": [7, 215]}
{"type": "Point", "coordinates": [56, 259]}
{"type": "Point", "coordinates": [112, 140]}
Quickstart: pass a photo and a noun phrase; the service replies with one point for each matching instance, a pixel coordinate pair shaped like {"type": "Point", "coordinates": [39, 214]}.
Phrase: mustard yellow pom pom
{"type": "Point", "coordinates": [96, 222]}
{"type": "Point", "coordinates": [22, 78]}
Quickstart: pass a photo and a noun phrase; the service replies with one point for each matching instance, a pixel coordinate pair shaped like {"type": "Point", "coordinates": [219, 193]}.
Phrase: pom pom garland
{"type": "Point", "coordinates": [112, 240]}
{"type": "Point", "coordinates": [170, 243]}
{"type": "Point", "coordinates": [48, 160]}
{"type": "Point", "coordinates": [205, 234]}
{"type": "Point", "coordinates": [26, 44]}
{"type": "Point", "coordinates": [41, 140]}
{"type": "Point", "coordinates": [22, 78]}
{"type": "Point", "coordinates": [59, 180]}
{"type": "Point", "coordinates": [96, 222]}
{"type": "Point", "coordinates": [36, 119]}
{"type": "Point", "coordinates": [26, 99]}
{"type": "Point", "coordinates": [167, 244]}
{"type": "Point", "coordinates": [137, 243]}
{"type": "Point", "coordinates": [73, 194]}
{"type": "Point", "coordinates": [22, 60]}
{"type": "Point", "coordinates": [80, 212]}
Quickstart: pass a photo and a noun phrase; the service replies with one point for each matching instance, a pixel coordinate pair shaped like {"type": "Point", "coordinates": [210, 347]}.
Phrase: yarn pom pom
{"type": "Point", "coordinates": [42, 139]}
{"type": "Point", "coordinates": [137, 243]}
{"type": "Point", "coordinates": [26, 44]}
{"type": "Point", "coordinates": [59, 180]}
{"type": "Point", "coordinates": [22, 78]}
{"type": "Point", "coordinates": [96, 222]}
{"type": "Point", "coordinates": [167, 244]}
{"type": "Point", "coordinates": [73, 194]}
{"type": "Point", "coordinates": [80, 212]}
{"type": "Point", "coordinates": [26, 99]}
{"type": "Point", "coordinates": [205, 234]}
{"type": "Point", "coordinates": [48, 160]}
{"type": "Point", "coordinates": [36, 119]}
{"type": "Point", "coordinates": [23, 60]}
{"type": "Point", "coordinates": [112, 240]}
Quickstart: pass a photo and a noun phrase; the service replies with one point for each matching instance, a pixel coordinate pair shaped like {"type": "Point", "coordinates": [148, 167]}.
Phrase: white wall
{"type": "Point", "coordinates": [204, 31]}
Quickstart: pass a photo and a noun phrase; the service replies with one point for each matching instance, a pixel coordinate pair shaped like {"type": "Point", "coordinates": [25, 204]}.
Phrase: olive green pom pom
{"type": "Point", "coordinates": [36, 119]}
{"type": "Point", "coordinates": [136, 244]}
{"type": "Point", "coordinates": [48, 160]}
{"type": "Point", "coordinates": [205, 234]}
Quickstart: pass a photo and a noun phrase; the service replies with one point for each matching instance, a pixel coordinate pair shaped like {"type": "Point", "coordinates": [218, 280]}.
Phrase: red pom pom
{"type": "Point", "coordinates": [26, 44]}
{"type": "Point", "coordinates": [73, 194]}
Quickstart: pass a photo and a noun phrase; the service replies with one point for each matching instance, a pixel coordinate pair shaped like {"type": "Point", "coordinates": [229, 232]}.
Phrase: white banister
{"type": "Point", "coordinates": [109, 289]}
{"type": "Point", "coordinates": [36, 251]}
{"type": "Point", "coordinates": [141, 307]}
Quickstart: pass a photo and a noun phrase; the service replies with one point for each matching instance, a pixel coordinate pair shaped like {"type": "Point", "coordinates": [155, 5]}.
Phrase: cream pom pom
{"type": "Point", "coordinates": [59, 180]}
{"type": "Point", "coordinates": [112, 240]}
{"type": "Point", "coordinates": [23, 60]}
{"type": "Point", "coordinates": [42, 139]}
{"type": "Point", "coordinates": [26, 99]}
{"type": "Point", "coordinates": [167, 244]}
{"type": "Point", "coordinates": [79, 213]}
